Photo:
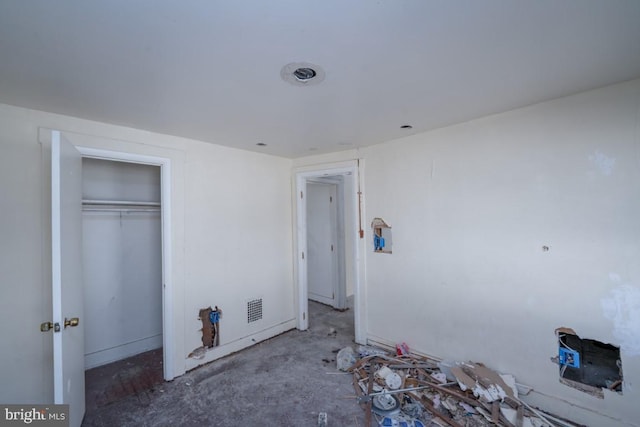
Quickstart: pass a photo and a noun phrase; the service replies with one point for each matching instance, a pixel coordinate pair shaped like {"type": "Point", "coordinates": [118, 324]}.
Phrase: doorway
{"type": "Point", "coordinates": [326, 279]}
{"type": "Point", "coordinates": [341, 181]}
{"type": "Point", "coordinates": [163, 165]}
{"type": "Point", "coordinates": [122, 279]}
{"type": "Point", "coordinates": [122, 260]}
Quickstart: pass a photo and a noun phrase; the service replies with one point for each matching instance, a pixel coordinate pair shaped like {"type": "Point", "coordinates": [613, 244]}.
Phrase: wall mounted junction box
{"type": "Point", "coordinates": [569, 357]}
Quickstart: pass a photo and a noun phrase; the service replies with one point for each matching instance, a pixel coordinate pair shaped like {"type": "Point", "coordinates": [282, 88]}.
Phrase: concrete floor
{"type": "Point", "coordinates": [284, 381]}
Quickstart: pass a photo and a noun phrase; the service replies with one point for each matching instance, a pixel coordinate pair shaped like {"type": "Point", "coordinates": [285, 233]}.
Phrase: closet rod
{"type": "Point", "coordinates": [119, 209]}
{"type": "Point", "coordinates": [118, 203]}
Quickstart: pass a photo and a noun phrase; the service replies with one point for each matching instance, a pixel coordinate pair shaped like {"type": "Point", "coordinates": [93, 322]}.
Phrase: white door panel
{"type": "Point", "coordinates": [322, 242]}
{"type": "Point", "coordinates": [67, 289]}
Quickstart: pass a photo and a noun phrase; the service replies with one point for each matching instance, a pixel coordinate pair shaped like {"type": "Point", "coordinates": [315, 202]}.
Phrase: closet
{"type": "Point", "coordinates": [122, 260]}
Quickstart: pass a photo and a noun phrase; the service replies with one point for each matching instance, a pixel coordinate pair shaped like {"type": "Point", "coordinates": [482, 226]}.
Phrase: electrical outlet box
{"type": "Point", "coordinates": [569, 357]}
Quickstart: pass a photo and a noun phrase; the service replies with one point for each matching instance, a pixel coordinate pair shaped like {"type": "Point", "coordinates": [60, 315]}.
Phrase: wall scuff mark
{"type": "Point", "coordinates": [622, 308]}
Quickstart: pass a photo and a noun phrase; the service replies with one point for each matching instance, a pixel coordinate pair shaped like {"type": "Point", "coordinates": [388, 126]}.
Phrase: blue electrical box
{"type": "Point", "coordinates": [569, 357]}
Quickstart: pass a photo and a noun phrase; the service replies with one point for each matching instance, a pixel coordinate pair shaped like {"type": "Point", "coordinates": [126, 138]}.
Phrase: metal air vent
{"type": "Point", "coordinates": [254, 310]}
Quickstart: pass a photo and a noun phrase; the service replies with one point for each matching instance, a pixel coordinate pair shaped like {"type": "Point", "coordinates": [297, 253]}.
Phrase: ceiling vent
{"type": "Point", "coordinates": [302, 74]}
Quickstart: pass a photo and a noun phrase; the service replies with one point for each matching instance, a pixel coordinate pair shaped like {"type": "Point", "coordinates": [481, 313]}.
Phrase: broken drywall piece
{"type": "Point", "coordinates": [565, 330]}
{"type": "Point", "coordinates": [440, 377]}
{"type": "Point", "coordinates": [510, 381]}
{"type": "Point", "coordinates": [464, 381]}
{"type": "Point", "coordinates": [198, 353]}
{"type": "Point", "coordinates": [511, 415]}
{"type": "Point", "coordinates": [467, 408]}
{"type": "Point", "coordinates": [482, 381]}
{"type": "Point", "coordinates": [445, 367]}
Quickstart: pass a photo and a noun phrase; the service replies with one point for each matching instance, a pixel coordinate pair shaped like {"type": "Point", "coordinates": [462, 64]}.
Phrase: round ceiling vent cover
{"type": "Point", "coordinates": [302, 74]}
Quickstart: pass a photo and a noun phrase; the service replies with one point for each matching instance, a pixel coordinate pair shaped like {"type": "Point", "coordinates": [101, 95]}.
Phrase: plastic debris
{"type": "Point", "coordinates": [402, 349]}
{"type": "Point", "coordinates": [345, 359]}
{"type": "Point", "coordinates": [365, 350]}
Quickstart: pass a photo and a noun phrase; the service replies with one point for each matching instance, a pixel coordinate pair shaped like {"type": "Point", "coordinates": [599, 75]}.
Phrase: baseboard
{"type": "Point", "coordinates": [224, 350]}
{"type": "Point", "coordinates": [102, 357]}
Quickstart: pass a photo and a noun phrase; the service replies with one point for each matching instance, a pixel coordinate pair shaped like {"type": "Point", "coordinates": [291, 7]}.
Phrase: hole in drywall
{"type": "Point", "coordinates": [210, 319]}
{"type": "Point", "coordinates": [381, 236]}
{"type": "Point", "coordinates": [254, 310]}
{"type": "Point", "coordinates": [588, 365]}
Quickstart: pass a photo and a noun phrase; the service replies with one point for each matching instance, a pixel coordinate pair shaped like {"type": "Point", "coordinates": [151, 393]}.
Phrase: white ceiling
{"type": "Point", "coordinates": [210, 70]}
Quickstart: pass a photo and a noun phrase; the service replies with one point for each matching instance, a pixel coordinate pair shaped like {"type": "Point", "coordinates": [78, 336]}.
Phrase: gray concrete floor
{"type": "Point", "coordinates": [284, 381]}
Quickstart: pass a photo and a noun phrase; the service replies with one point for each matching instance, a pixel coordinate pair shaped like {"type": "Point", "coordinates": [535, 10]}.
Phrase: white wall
{"type": "Point", "coordinates": [471, 207]}
{"type": "Point", "coordinates": [109, 180]}
{"type": "Point", "coordinates": [231, 240]}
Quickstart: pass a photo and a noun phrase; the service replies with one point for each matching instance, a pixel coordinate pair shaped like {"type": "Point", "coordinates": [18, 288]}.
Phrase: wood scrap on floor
{"type": "Point", "coordinates": [407, 390]}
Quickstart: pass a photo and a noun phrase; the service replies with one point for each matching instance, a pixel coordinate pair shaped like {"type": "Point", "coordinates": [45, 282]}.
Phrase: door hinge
{"type": "Point", "coordinates": [331, 248]}
{"type": "Point", "coordinates": [304, 316]}
{"type": "Point", "coordinates": [301, 195]}
{"type": "Point", "coordinates": [330, 199]}
{"type": "Point", "coordinates": [302, 255]}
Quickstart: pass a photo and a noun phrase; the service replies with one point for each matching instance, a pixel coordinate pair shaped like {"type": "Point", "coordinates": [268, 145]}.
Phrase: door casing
{"type": "Point", "coordinates": [66, 277]}
{"type": "Point", "coordinates": [302, 175]}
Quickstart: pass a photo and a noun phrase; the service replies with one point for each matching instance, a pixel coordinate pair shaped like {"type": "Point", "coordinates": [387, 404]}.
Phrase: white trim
{"type": "Point", "coordinates": [113, 354]}
{"type": "Point", "coordinates": [167, 272]}
{"type": "Point", "coordinates": [252, 339]}
{"type": "Point", "coordinates": [301, 177]}
{"type": "Point", "coordinates": [56, 272]}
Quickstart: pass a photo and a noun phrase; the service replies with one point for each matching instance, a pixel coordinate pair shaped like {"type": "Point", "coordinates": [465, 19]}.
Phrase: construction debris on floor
{"type": "Point", "coordinates": [407, 390]}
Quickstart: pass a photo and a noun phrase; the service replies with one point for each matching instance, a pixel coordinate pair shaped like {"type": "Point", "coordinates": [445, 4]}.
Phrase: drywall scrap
{"type": "Point", "coordinates": [408, 390]}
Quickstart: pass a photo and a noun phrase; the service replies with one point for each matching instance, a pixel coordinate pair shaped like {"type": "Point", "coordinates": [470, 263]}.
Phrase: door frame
{"type": "Point", "coordinates": [165, 217]}
{"type": "Point", "coordinates": [311, 173]}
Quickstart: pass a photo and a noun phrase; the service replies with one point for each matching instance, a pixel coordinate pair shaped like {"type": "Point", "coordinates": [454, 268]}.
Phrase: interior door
{"type": "Point", "coordinates": [67, 290]}
{"type": "Point", "coordinates": [321, 243]}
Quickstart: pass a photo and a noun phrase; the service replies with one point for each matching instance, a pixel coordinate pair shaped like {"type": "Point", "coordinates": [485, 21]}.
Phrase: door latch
{"type": "Point", "coordinates": [73, 322]}
{"type": "Point", "coordinates": [47, 326]}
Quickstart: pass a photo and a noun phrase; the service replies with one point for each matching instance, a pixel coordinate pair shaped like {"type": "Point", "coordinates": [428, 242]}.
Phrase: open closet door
{"type": "Point", "coordinates": [67, 290]}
